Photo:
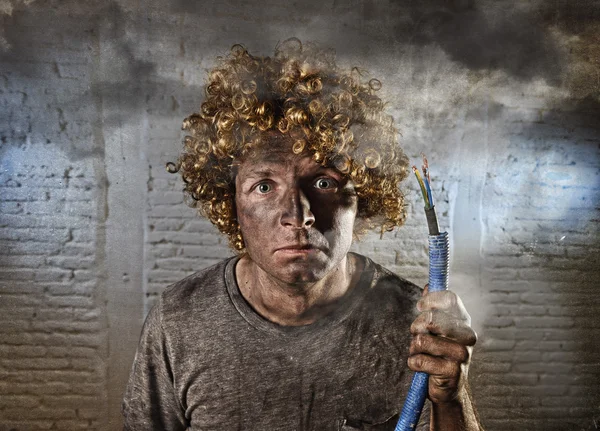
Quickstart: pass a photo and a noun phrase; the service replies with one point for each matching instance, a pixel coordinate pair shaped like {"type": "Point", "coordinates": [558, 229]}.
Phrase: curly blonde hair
{"type": "Point", "coordinates": [333, 116]}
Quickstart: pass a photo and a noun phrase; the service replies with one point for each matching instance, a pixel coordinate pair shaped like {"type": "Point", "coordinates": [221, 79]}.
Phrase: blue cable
{"type": "Point", "coordinates": [429, 195]}
{"type": "Point", "coordinates": [438, 280]}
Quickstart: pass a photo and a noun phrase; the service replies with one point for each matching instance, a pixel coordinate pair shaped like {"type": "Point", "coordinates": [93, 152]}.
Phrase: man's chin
{"type": "Point", "coordinates": [301, 272]}
{"type": "Point", "coordinates": [297, 268]}
{"type": "Point", "coordinates": [299, 279]}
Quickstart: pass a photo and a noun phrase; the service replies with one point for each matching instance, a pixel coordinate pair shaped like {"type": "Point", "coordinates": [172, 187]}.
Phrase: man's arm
{"type": "Point", "coordinates": [442, 346]}
{"type": "Point", "coordinates": [150, 401]}
{"type": "Point", "coordinates": [455, 415]}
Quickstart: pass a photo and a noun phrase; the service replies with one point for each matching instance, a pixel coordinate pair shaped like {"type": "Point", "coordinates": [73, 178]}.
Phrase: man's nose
{"type": "Point", "coordinates": [297, 213]}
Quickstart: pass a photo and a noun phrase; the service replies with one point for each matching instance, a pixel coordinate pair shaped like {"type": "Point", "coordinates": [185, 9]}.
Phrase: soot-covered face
{"type": "Point", "coordinates": [296, 216]}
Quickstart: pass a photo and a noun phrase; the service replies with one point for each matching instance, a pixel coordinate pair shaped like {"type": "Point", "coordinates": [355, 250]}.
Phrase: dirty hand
{"type": "Point", "coordinates": [442, 345]}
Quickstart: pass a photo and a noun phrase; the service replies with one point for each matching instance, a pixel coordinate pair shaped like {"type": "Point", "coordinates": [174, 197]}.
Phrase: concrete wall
{"type": "Point", "coordinates": [502, 96]}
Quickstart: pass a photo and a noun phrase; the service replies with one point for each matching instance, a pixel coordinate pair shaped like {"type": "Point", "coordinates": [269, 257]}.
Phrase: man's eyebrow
{"type": "Point", "coordinates": [330, 170]}
{"type": "Point", "coordinates": [254, 173]}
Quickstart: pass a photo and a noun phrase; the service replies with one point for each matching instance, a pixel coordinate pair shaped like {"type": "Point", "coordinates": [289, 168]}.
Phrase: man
{"type": "Point", "coordinates": [291, 159]}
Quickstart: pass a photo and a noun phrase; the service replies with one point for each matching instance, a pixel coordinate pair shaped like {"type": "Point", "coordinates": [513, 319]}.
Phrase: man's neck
{"type": "Point", "coordinates": [300, 303]}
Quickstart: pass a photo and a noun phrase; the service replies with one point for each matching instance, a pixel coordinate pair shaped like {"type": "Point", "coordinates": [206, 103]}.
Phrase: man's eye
{"type": "Point", "coordinates": [325, 183]}
{"type": "Point", "coordinates": [264, 188]}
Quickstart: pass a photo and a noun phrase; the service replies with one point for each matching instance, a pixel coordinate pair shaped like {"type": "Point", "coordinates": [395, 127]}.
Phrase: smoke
{"type": "Point", "coordinates": [437, 57]}
{"type": "Point", "coordinates": [471, 291]}
{"type": "Point", "coordinates": [108, 46]}
{"type": "Point", "coordinates": [6, 10]}
{"type": "Point", "coordinates": [434, 57]}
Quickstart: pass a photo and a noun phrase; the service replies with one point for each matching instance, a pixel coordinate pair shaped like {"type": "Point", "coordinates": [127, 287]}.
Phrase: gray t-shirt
{"type": "Point", "coordinates": [207, 361]}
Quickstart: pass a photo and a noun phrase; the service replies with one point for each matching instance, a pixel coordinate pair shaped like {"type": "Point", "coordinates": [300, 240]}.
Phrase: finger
{"type": "Point", "coordinates": [434, 366]}
{"type": "Point", "coordinates": [441, 323]}
{"type": "Point", "coordinates": [444, 376]}
{"type": "Point", "coordinates": [447, 301]}
{"type": "Point", "coordinates": [443, 389]}
{"type": "Point", "coordinates": [440, 347]}
{"type": "Point", "coordinates": [440, 300]}
{"type": "Point", "coordinates": [425, 290]}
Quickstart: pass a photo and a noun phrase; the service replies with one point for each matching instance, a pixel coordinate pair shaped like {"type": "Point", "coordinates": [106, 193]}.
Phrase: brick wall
{"type": "Point", "coordinates": [52, 322]}
{"type": "Point", "coordinates": [542, 267]}
{"type": "Point", "coordinates": [92, 227]}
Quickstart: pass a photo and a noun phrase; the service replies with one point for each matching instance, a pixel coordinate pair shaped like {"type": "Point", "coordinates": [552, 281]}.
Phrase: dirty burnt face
{"type": "Point", "coordinates": [296, 216]}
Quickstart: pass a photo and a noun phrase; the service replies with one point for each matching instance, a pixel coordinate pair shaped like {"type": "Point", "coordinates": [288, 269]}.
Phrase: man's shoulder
{"type": "Point", "coordinates": [389, 302]}
{"type": "Point", "coordinates": [196, 289]}
{"type": "Point", "coordinates": [387, 283]}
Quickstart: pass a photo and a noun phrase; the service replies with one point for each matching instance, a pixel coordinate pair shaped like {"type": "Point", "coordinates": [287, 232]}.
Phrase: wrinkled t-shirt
{"type": "Point", "coordinates": [207, 361]}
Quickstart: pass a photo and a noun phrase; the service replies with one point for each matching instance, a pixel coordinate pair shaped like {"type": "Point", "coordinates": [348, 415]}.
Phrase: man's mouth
{"type": "Point", "coordinates": [298, 248]}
